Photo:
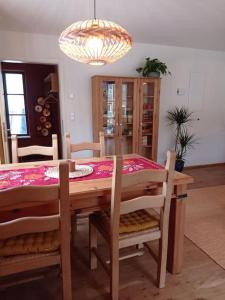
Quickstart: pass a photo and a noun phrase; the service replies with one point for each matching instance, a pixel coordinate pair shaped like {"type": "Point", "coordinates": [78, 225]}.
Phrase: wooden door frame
{"type": "Point", "coordinates": [62, 106]}
{"type": "Point", "coordinates": [4, 149]}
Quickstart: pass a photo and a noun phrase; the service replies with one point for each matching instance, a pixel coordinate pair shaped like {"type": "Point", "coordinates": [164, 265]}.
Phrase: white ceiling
{"type": "Point", "coordinates": [190, 23]}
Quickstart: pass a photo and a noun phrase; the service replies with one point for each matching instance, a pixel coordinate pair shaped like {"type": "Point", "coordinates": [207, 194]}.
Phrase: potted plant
{"type": "Point", "coordinates": [153, 68]}
{"type": "Point", "coordinates": [181, 118]}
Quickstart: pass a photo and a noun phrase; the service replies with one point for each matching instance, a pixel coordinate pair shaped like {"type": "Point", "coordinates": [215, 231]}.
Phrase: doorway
{"type": "Point", "coordinates": [2, 154]}
{"type": "Point", "coordinates": [32, 106]}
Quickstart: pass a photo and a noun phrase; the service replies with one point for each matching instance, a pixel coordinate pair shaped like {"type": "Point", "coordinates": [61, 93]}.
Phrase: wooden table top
{"type": "Point", "coordinates": [92, 186]}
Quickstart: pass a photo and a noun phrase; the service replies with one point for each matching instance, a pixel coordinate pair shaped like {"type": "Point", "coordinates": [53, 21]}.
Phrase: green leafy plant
{"type": "Point", "coordinates": [153, 66]}
{"type": "Point", "coordinates": [179, 117]}
{"type": "Point", "coordinates": [184, 141]}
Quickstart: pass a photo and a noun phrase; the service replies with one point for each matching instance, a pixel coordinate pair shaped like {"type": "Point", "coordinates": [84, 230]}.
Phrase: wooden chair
{"type": "Point", "coordinates": [30, 243]}
{"type": "Point", "coordinates": [34, 150]}
{"type": "Point", "coordinates": [100, 147]}
{"type": "Point", "coordinates": [70, 148]}
{"type": "Point", "coordinates": [129, 223]}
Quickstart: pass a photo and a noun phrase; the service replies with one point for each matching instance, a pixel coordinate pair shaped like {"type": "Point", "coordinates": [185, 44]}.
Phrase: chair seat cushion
{"type": "Point", "coordinates": [133, 222]}
{"type": "Point", "coordinates": [32, 243]}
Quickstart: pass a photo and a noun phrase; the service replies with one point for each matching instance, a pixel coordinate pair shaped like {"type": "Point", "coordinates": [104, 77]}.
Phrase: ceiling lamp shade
{"type": "Point", "coordinates": [95, 42]}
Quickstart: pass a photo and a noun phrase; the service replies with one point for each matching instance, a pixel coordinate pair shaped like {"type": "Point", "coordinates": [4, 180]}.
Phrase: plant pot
{"type": "Point", "coordinates": [179, 165]}
{"type": "Point", "coordinates": [154, 74]}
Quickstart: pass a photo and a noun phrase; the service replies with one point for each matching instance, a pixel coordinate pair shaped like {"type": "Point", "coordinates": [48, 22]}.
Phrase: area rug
{"type": "Point", "coordinates": [205, 221]}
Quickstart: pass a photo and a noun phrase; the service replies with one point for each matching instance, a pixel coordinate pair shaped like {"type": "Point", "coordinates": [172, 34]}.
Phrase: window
{"type": "Point", "coordinates": [15, 103]}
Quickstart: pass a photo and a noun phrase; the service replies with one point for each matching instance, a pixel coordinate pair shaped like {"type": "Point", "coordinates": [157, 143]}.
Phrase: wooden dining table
{"type": "Point", "coordinates": [92, 195]}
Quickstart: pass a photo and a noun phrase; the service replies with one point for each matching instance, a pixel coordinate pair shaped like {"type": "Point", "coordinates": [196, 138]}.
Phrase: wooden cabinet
{"type": "Point", "coordinates": [148, 124]}
{"type": "Point", "coordinates": [126, 109]}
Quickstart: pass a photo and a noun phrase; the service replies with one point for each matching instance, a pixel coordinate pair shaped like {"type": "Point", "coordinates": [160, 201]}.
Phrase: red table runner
{"type": "Point", "coordinates": [36, 176]}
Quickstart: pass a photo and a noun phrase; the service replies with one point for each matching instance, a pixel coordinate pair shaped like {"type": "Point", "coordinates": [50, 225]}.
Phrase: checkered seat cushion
{"type": "Point", "coordinates": [133, 222]}
{"type": "Point", "coordinates": [34, 243]}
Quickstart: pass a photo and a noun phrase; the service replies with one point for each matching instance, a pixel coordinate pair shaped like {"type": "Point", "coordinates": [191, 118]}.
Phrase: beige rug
{"type": "Point", "coordinates": [205, 221]}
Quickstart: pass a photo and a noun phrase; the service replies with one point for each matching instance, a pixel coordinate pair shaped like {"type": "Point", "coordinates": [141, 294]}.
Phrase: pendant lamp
{"type": "Point", "coordinates": [95, 41]}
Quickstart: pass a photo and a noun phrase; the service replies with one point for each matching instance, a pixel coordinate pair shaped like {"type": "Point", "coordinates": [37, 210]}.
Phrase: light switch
{"type": "Point", "coordinates": [181, 91]}
{"type": "Point", "coordinates": [71, 96]}
{"type": "Point", "coordinates": [72, 116]}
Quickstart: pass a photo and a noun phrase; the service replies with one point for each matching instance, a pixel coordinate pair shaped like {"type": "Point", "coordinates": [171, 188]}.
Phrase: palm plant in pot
{"type": "Point", "coordinates": [184, 141]}
{"type": "Point", "coordinates": [153, 68]}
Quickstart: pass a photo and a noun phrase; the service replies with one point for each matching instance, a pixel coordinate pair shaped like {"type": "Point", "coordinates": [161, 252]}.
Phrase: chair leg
{"type": "Point", "coordinates": [67, 286]}
{"type": "Point", "coordinates": [114, 280]}
{"type": "Point", "coordinates": [66, 278]}
{"type": "Point", "coordinates": [74, 229]}
{"type": "Point", "coordinates": [93, 241]}
{"type": "Point", "coordinates": [162, 262]}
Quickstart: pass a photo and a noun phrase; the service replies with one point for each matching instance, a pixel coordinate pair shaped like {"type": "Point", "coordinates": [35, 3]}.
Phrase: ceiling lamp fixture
{"type": "Point", "coordinates": [95, 42]}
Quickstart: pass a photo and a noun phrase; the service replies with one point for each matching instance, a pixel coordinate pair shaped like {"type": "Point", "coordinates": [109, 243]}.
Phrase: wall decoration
{"type": "Point", "coordinates": [46, 105]}
{"type": "Point", "coordinates": [46, 112]}
{"type": "Point", "coordinates": [43, 108]}
{"type": "Point", "coordinates": [42, 119]}
{"type": "Point", "coordinates": [41, 101]}
{"type": "Point", "coordinates": [44, 131]}
{"type": "Point", "coordinates": [38, 108]}
{"type": "Point", "coordinates": [48, 125]}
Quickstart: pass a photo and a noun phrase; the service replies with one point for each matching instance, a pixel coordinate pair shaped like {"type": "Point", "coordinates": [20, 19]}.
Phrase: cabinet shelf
{"type": "Point", "coordinates": [108, 117]}
{"type": "Point", "coordinates": [147, 109]}
{"type": "Point", "coordinates": [109, 100]}
{"type": "Point", "coordinates": [108, 135]}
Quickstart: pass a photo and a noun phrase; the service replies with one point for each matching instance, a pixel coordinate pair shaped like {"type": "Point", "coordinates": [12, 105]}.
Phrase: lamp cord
{"type": "Point", "coordinates": [95, 9]}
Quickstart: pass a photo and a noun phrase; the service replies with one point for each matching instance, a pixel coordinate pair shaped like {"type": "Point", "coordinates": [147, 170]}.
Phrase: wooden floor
{"type": "Point", "coordinates": [207, 176]}
{"type": "Point", "coordinates": [201, 278]}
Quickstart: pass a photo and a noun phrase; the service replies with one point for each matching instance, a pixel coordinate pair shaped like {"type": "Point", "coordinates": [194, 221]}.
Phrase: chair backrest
{"type": "Point", "coordinates": [161, 201]}
{"type": "Point", "coordinates": [34, 150]}
{"type": "Point", "coordinates": [38, 195]}
{"type": "Point", "coordinates": [100, 147]}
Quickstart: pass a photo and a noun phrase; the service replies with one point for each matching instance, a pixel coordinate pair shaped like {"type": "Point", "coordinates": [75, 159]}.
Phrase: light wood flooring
{"type": "Point", "coordinates": [201, 278]}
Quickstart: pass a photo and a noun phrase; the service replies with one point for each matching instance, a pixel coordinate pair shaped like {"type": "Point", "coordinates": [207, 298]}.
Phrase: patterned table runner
{"type": "Point", "coordinates": [36, 176]}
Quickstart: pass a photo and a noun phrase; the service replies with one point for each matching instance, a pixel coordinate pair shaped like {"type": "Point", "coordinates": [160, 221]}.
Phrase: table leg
{"type": "Point", "coordinates": [176, 230]}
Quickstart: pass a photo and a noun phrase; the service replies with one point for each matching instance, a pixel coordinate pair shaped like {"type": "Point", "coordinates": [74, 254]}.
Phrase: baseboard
{"type": "Point", "coordinates": [205, 166]}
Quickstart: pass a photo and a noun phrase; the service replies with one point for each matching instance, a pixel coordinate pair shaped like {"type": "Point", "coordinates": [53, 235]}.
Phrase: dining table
{"type": "Point", "coordinates": [92, 193]}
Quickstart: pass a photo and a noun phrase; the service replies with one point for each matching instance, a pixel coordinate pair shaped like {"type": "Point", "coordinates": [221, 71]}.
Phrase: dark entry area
{"type": "Point", "coordinates": [32, 104]}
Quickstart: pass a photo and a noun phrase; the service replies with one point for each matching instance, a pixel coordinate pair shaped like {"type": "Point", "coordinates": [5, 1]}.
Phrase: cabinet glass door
{"type": "Point", "coordinates": [127, 117]}
{"type": "Point", "coordinates": [147, 113]}
{"type": "Point", "coordinates": [109, 115]}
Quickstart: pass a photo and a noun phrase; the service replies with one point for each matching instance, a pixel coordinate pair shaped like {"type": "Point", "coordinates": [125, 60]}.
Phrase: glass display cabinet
{"type": "Point", "coordinates": [126, 110]}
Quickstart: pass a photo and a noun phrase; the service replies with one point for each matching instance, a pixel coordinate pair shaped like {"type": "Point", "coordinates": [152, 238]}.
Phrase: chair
{"type": "Point", "coordinates": [70, 148]}
{"type": "Point", "coordinates": [129, 222]}
{"type": "Point", "coordinates": [34, 150]}
{"type": "Point", "coordinates": [31, 243]}
{"type": "Point", "coordinates": [100, 147]}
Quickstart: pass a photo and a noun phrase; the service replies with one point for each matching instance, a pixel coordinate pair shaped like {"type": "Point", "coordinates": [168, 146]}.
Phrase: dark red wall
{"type": "Point", "coordinates": [34, 75]}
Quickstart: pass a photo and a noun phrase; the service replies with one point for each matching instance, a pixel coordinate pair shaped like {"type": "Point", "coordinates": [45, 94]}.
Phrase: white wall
{"type": "Point", "coordinates": [207, 97]}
